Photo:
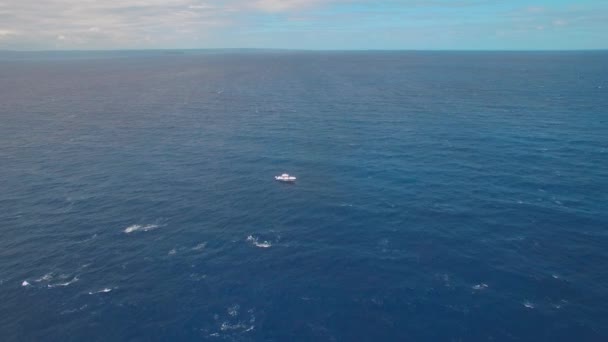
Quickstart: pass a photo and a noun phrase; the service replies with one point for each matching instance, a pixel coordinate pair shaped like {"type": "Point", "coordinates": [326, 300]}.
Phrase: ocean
{"type": "Point", "coordinates": [441, 196]}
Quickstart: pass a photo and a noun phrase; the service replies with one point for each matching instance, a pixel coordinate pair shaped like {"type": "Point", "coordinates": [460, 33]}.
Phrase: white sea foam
{"type": "Point", "coordinates": [45, 277]}
{"type": "Point", "coordinates": [481, 286]}
{"type": "Point", "coordinates": [93, 237]}
{"type": "Point", "coordinates": [172, 252]}
{"type": "Point", "coordinates": [68, 283]}
{"type": "Point", "coordinates": [25, 283]}
{"type": "Point", "coordinates": [199, 247]}
{"type": "Point", "coordinates": [255, 241]}
{"type": "Point", "coordinates": [227, 326]}
{"type": "Point", "coordinates": [74, 310]}
{"type": "Point", "coordinates": [529, 305]}
{"type": "Point", "coordinates": [138, 227]}
{"type": "Point", "coordinates": [197, 276]}
{"type": "Point", "coordinates": [234, 310]}
{"type": "Point", "coordinates": [446, 280]}
{"type": "Point", "coordinates": [560, 304]}
{"type": "Point", "coordinates": [239, 326]}
{"type": "Point", "coordinates": [104, 290]}
{"type": "Point", "coordinates": [235, 322]}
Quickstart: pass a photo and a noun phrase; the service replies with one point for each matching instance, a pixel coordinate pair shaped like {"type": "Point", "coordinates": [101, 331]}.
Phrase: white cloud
{"type": "Point", "coordinates": [132, 24]}
{"type": "Point", "coordinates": [284, 5]}
{"type": "Point", "coordinates": [560, 22]}
{"type": "Point", "coordinates": [6, 33]}
{"type": "Point", "coordinates": [108, 24]}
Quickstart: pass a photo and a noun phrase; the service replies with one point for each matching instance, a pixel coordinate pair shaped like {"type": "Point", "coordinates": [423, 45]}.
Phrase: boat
{"type": "Point", "coordinates": [285, 178]}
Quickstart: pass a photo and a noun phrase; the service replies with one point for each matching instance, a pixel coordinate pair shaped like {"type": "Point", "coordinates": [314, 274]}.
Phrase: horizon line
{"type": "Point", "coordinates": [301, 50]}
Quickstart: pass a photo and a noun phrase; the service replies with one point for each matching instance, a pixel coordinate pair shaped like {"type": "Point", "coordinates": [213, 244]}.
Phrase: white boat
{"type": "Point", "coordinates": [285, 178]}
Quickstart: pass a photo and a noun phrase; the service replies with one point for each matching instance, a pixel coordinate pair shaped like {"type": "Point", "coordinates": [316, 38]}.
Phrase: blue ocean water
{"type": "Point", "coordinates": [444, 196]}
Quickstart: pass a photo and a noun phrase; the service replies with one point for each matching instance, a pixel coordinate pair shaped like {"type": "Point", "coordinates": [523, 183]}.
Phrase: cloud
{"type": "Point", "coordinates": [560, 22]}
{"type": "Point", "coordinates": [129, 23]}
{"type": "Point", "coordinates": [535, 9]}
{"type": "Point", "coordinates": [133, 24]}
{"type": "Point", "coordinates": [109, 24]}
{"type": "Point", "coordinates": [572, 16]}
{"type": "Point", "coordinates": [6, 33]}
{"type": "Point", "coordinates": [284, 5]}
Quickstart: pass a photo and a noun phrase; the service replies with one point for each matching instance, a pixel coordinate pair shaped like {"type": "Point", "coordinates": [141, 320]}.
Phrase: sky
{"type": "Point", "coordinates": [304, 24]}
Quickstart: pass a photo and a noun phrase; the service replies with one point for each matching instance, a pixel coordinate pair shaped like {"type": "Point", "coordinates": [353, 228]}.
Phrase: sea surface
{"type": "Point", "coordinates": [441, 196]}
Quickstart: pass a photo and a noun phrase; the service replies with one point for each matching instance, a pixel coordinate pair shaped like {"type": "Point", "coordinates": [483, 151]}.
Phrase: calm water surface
{"type": "Point", "coordinates": [440, 196]}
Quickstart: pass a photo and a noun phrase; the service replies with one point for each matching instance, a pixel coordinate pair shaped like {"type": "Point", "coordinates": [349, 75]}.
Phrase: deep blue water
{"type": "Point", "coordinates": [440, 196]}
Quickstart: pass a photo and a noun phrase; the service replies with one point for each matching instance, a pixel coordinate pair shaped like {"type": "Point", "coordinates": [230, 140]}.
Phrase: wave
{"type": "Point", "coordinates": [529, 305]}
{"type": "Point", "coordinates": [255, 241]}
{"type": "Point", "coordinates": [233, 324]}
{"type": "Point", "coordinates": [560, 304]}
{"type": "Point", "coordinates": [197, 276]}
{"type": "Point", "coordinates": [75, 279]}
{"type": "Point", "coordinates": [45, 277]}
{"type": "Point", "coordinates": [138, 227]}
{"type": "Point", "coordinates": [239, 326]}
{"type": "Point", "coordinates": [481, 286]}
{"type": "Point", "coordinates": [92, 237]}
{"type": "Point", "coordinates": [25, 283]}
{"type": "Point", "coordinates": [199, 247]}
{"type": "Point", "coordinates": [65, 312]}
{"type": "Point", "coordinates": [104, 290]}
{"type": "Point", "coordinates": [234, 310]}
